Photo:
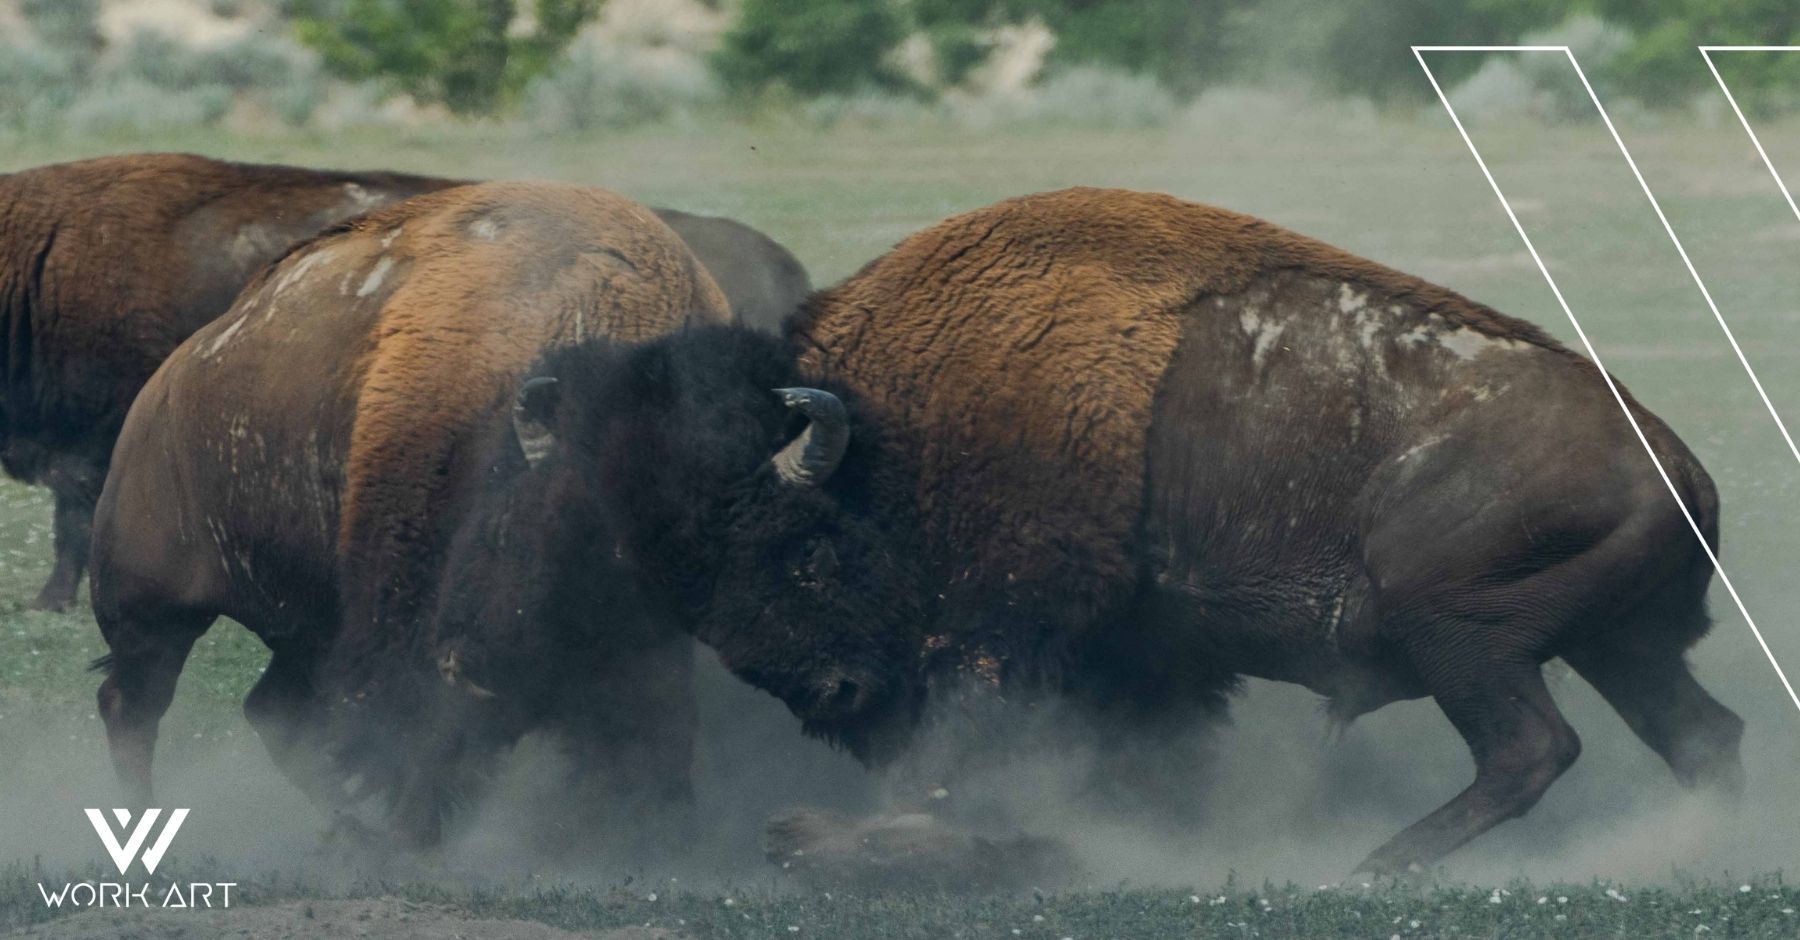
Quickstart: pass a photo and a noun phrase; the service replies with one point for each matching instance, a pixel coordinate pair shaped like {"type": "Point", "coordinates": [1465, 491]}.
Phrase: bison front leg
{"type": "Point", "coordinates": [630, 732]}
{"type": "Point", "coordinates": [285, 710]}
{"type": "Point", "coordinates": [1520, 742]}
{"type": "Point", "coordinates": [72, 534]}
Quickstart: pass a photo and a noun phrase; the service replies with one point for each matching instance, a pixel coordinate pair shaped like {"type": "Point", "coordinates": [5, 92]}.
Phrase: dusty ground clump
{"type": "Point", "coordinates": [909, 851]}
{"type": "Point", "coordinates": [372, 918]}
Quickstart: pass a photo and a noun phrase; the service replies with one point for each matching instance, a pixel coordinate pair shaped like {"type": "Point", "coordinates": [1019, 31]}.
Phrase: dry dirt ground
{"type": "Point", "coordinates": [375, 919]}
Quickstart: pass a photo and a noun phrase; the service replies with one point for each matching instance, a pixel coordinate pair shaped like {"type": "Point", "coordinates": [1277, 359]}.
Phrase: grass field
{"type": "Point", "coordinates": [1399, 189]}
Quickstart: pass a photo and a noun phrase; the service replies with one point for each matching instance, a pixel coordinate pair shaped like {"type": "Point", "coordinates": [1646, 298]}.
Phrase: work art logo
{"type": "Point", "coordinates": [122, 855]}
{"type": "Point", "coordinates": [137, 842]}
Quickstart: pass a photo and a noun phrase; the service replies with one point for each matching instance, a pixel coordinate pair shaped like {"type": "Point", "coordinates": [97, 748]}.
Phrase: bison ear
{"type": "Point", "coordinates": [533, 416]}
{"type": "Point", "coordinates": [809, 459]}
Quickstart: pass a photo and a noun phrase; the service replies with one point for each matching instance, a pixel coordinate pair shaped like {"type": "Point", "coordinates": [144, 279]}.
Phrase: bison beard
{"type": "Point", "coordinates": [1085, 457]}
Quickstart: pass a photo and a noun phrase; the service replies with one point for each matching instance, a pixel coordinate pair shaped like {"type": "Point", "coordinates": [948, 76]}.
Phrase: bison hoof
{"type": "Point", "coordinates": [53, 602]}
{"type": "Point", "coordinates": [1375, 867]}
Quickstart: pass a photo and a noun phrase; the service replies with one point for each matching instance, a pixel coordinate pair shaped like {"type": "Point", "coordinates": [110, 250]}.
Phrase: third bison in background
{"type": "Point", "coordinates": [106, 265]}
{"type": "Point", "coordinates": [1127, 449]}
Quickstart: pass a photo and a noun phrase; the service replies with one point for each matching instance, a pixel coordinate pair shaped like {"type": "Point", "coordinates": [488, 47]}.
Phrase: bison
{"type": "Point", "coordinates": [106, 265]}
{"type": "Point", "coordinates": [1126, 449]}
{"type": "Point", "coordinates": [763, 281]}
{"type": "Point", "coordinates": [317, 464]}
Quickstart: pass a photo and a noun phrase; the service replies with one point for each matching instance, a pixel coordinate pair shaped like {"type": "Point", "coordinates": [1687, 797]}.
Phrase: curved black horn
{"type": "Point", "coordinates": [809, 459]}
{"type": "Point", "coordinates": [536, 397]}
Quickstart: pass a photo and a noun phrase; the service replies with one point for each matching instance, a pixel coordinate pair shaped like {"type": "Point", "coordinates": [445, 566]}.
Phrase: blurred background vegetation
{"type": "Point", "coordinates": [132, 66]}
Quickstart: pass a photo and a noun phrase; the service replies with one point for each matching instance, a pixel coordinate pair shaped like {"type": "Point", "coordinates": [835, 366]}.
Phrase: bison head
{"type": "Point", "coordinates": [751, 508]}
{"type": "Point", "coordinates": [534, 601]}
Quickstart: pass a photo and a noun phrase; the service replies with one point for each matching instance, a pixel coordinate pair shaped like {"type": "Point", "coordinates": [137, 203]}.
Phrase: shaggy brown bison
{"type": "Point", "coordinates": [106, 265]}
{"type": "Point", "coordinates": [1128, 449]}
{"type": "Point", "coordinates": [312, 464]}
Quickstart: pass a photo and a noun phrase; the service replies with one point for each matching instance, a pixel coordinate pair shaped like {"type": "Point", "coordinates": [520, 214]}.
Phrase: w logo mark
{"type": "Point", "coordinates": [123, 854]}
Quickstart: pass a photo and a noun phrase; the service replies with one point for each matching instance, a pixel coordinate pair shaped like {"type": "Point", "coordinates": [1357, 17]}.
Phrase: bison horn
{"type": "Point", "coordinates": [809, 459]}
{"type": "Point", "coordinates": [530, 416]}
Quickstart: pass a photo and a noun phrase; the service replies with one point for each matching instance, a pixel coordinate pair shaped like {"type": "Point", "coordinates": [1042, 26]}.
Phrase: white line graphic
{"type": "Point", "coordinates": [1706, 53]}
{"type": "Point", "coordinates": [1724, 579]}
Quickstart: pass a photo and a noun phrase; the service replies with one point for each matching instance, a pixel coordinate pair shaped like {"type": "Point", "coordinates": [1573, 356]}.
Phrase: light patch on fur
{"type": "Point", "coordinates": [387, 241]}
{"type": "Point", "coordinates": [1461, 341]}
{"type": "Point", "coordinates": [361, 197]}
{"type": "Point", "coordinates": [219, 341]}
{"type": "Point", "coordinates": [1467, 343]}
{"type": "Point", "coordinates": [1263, 333]}
{"type": "Point", "coordinates": [250, 246]}
{"type": "Point", "coordinates": [298, 271]}
{"type": "Point", "coordinates": [486, 229]}
{"type": "Point", "coordinates": [1350, 300]}
{"type": "Point", "coordinates": [1420, 448]}
{"type": "Point", "coordinates": [372, 283]}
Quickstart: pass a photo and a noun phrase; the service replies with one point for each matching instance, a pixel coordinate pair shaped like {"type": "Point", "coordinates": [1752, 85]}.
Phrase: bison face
{"type": "Point", "coordinates": [813, 612]}
{"type": "Point", "coordinates": [534, 598]}
{"type": "Point", "coordinates": [754, 518]}
{"type": "Point", "coordinates": [816, 595]}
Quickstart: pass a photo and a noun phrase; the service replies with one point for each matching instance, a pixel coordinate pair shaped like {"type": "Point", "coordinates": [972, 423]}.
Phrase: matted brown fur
{"type": "Point", "coordinates": [107, 264]}
{"type": "Point", "coordinates": [1020, 351]}
{"type": "Point", "coordinates": [449, 297]}
{"type": "Point", "coordinates": [621, 273]}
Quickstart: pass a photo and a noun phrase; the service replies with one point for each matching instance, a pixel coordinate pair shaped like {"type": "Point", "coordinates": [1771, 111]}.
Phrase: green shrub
{"type": "Point", "coordinates": [1662, 68]}
{"type": "Point", "coordinates": [253, 62]}
{"type": "Point", "coordinates": [36, 83]}
{"type": "Point", "coordinates": [594, 88]}
{"type": "Point", "coordinates": [811, 46]}
{"type": "Point", "coordinates": [71, 26]}
{"type": "Point", "coordinates": [1541, 84]}
{"type": "Point", "coordinates": [133, 107]}
{"type": "Point", "coordinates": [1184, 44]}
{"type": "Point", "coordinates": [462, 53]}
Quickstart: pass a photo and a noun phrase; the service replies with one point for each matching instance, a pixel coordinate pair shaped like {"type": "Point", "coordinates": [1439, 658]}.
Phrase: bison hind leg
{"type": "Point", "coordinates": [145, 660]}
{"type": "Point", "coordinates": [1520, 742]}
{"type": "Point", "coordinates": [1650, 686]}
{"type": "Point", "coordinates": [72, 533]}
{"type": "Point", "coordinates": [284, 709]}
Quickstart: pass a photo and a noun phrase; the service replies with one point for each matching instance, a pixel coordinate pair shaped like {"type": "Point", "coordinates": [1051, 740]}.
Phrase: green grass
{"type": "Point", "coordinates": [1401, 190]}
{"type": "Point", "coordinates": [1518, 909]}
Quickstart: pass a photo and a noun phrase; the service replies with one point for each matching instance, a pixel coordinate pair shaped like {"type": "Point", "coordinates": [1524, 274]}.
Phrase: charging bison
{"type": "Point", "coordinates": [312, 463]}
{"type": "Point", "coordinates": [106, 265]}
{"type": "Point", "coordinates": [1128, 449]}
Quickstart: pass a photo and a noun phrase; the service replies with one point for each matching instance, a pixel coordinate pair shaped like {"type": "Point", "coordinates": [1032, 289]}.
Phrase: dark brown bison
{"type": "Point", "coordinates": [312, 464]}
{"type": "Point", "coordinates": [1128, 449]}
{"type": "Point", "coordinates": [106, 265]}
{"type": "Point", "coordinates": [763, 281]}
